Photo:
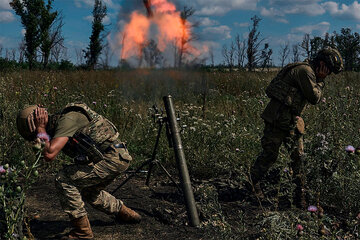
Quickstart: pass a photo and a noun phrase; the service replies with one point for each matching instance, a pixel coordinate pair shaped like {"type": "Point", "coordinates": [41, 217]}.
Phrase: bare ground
{"type": "Point", "coordinates": [162, 208]}
{"type": "Point", "coordinates": [164, 215]}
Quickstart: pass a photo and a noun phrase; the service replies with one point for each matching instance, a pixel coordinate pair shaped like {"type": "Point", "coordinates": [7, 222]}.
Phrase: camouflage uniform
{"type": "Point", "coordinates": [290, 91]}
{"type": "Point", "coordinates": [86, 180]}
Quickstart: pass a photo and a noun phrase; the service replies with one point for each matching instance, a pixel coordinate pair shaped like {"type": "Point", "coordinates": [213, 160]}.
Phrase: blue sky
{"type": "Point", "coordinates": [282, 21]}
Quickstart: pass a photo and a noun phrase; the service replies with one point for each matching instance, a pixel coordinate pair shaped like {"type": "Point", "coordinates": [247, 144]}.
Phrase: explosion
{"type": "Point", "coordinates": [172, 29]}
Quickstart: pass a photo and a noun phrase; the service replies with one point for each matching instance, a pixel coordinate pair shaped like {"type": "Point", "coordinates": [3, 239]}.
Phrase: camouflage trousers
{"type": "Point", "coordinates": [271, 141]}
{"type": "Point", "coordinates": [77, 183]}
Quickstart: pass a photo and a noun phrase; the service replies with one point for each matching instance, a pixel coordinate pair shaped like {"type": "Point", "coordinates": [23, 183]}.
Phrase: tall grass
{"type": "Point", "coordinates": [221, 112]}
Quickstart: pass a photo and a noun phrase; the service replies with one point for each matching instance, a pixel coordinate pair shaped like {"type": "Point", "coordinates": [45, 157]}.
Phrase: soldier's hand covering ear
{"type": "Point", "coordinates": [41, 117]}
{"type": "Point", "coordinates": [322, 71]}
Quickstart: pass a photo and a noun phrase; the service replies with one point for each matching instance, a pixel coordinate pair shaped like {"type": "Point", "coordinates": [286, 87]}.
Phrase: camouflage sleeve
{"type": "Point", "coordinates": [311, 89]}
{"type": "Point", "coordinates": [69, 124]}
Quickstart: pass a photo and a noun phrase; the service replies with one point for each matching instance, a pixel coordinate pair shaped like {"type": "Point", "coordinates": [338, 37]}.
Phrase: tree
{"type": "Point", "coordinates": [316, 44]}
{"type": "Point", "coordinates": [106, 56]}
{"type": "Point", "coordinates": [348, 44]}
{"type": "Point", "coordinates": [41, 29]}
{"type": "Point", "coordinates": [22, 51]}
{"type": "Point", "coordinates": [30, 14]}
{"type": "Point", "coordinates": [228, 55]}
{"type": "Point", "coordinates": [95, 46]}
{"type": "Point", "coordinates": [51, 36]}
{"type": "Point", "coordinates": [152, 54]}
{"type": "Point", "coordinates": [284, 53]}
{"type": "Point", "coordinates": [58, 52]}
{"type": "Point", "coordinates": [240, 51]}
{"type": "Point", "coordinates": [266, 57]}
{"type": "Point", "coordinates": [211, 56]}
{"type": "Point", "coordinates": [253, 54]}
{"type": "Point", "coordinates": [295, 53]}
{"type": "Point", "coordinates": [79, 56]}
{"type": "Point", "coordinates": [47, 19]}
{"type": "Point", "coordinates": [185, 39]}
{"type": "Point", "coordinates": [305, 45]}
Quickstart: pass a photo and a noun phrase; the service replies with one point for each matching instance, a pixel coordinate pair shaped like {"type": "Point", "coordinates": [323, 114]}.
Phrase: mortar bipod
{"type": "Point", "coordinates": [161, 120]}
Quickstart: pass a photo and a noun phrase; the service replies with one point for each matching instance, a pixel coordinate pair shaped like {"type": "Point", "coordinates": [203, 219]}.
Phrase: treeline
{"type": "Point", "coordinates": [43, 43]}
{"type": "Point", "coordinates": [255, 52]}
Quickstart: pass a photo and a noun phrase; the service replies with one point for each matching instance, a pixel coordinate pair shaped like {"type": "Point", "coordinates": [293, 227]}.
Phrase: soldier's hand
{"type": "Point", "coordinates": [41, 117]}
{"type": "Point", "coordinates": [322, 71]}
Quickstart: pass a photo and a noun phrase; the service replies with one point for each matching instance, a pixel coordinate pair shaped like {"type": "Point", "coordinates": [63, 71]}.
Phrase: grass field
{"type": "Point", "coordinates": [221, 112]}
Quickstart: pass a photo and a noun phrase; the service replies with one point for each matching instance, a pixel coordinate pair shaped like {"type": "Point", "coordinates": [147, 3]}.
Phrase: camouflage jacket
{"type": "Point", "coordinates": [293, 87]}
{"type": "Point", "coordinates": [93, 139]}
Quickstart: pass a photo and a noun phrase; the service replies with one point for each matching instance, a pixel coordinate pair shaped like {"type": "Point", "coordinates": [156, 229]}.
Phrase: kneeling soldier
{"type": "Point", "coordinates": [99, 157]}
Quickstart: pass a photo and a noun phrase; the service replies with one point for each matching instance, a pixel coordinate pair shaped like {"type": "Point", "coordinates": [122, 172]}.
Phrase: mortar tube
{"type": "Point", "coordinates": [181, 163]}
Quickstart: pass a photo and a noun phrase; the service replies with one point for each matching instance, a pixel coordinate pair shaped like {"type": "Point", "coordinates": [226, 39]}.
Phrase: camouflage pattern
{"type": "Point", "coordinates": [332, 59]}
{"type": "Point", "coordinates": [95, 137]}
{"type": "Point", "coordinates": [290, 91]}
{"type": "Point", "coordinates": [25, 122]}
{"type": "Point", "coordinates": [85, 182]}
{"type": "Point", "coordinates": [271, 141]}
{"type": "Point", "coordinates": [77, 183]}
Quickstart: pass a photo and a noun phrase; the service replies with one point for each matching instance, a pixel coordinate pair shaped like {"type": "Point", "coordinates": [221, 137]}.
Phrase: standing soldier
{"type": "Point", "coordinates": [99, 157]}
{"type": "Point", "coordinates": [294, 86]}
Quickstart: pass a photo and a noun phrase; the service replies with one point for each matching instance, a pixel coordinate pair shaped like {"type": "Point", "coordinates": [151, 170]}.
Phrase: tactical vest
{"type": "Point", "coordinates": [286, 93]}
{"type": "Point", "coordinates": [92, 140]}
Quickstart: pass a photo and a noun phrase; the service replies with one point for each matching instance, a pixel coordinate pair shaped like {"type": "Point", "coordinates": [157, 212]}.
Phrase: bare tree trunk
{"type": "Point", "coordinates": [22, 49]}
{"type": "Point", "coordinates": [253, 44]}
{"type": "Point", "coordinates": [305, 45]}
{"type": "Point", "coordinates": [107, 56]}
{"type": "Point", "coordinates": [240, 51]}
{"type": "Point", "coordinates": [296, 53]}
{"type": "Point", "coordinates": [211, 55]}
{"type": "Point", "coordinates": [79, 56]}
{"type": "Point", "coordinates": [284, 53]}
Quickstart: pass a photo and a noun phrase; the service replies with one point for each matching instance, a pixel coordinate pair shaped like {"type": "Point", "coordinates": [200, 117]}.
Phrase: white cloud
{"type": "Point", "coordinates": [351, 11]}
{"type": "Point", "coordinates": [216, 33]}
{"type": "Point", "coordinates": [287, 2]}
{"type": "Point", "coordinates": [76, 44]}
{"type": "Point", "coordinates": [279, 8]}
{"type": "Point", "coordinates": [274, 13]}
{"type": "Point", "coordinates": [317, 29]}
{"type": "Point", "coordinates": [242, 25]}
{"type": "Point", "coordinates": [4, 4]}
{"type": "Point", "coordinates": [358, 26]}
{"type": "Point", "coordinates": [271, 12]}
{"type": "Point", "coordinates": [215, 7]}
{"type": "Point", "coordinates": [90, 3]}
{"type": "Point", "coordinates": [207, 22]}
{"type": "Point", "coordinates": [294, 38]}
{"type": "Point", "coordinates": [90, 18]}
{"type": "Point", "coordinates": [282, 20]}
{"type": "Point", "coordinates": [6, 16]}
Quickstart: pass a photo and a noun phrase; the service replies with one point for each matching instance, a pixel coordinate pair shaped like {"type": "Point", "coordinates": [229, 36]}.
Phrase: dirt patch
{"type": "Point", "coordinates": [164, 215]}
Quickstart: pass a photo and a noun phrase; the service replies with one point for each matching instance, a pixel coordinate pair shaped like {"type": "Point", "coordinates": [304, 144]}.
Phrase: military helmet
{"type": "Point", "coordinates": [25, 122]}
{"type": "Point", "coordinates": [332, 59]}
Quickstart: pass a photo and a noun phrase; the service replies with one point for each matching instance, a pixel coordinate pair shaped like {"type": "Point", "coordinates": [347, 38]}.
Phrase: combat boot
{"type": "Point", "coordinates": [126, 215]}
{"type": "Point", "coordinates": [81, 229]}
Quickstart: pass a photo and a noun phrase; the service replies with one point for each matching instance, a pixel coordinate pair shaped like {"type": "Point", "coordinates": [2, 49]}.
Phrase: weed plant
{"type": "Point", "coordinates": [221, 131]}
